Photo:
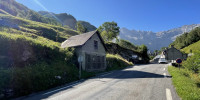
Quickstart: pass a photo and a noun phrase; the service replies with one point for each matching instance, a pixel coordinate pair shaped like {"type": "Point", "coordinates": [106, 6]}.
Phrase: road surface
{"type": "Point", "coordinates": [140, 82]}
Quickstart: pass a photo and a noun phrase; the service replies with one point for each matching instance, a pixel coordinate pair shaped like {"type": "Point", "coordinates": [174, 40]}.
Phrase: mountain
{"type": "Point", "coordinates": [67, 20]}
{"type": "Point", "coordinates": [63, 18]}
{"type": "Point", "coordinates": [19, 10]}
{"type": "Point", "coordinates": [16, 9]}
{"type": "Point", "coordinates": [154, 40]}
{"type": "Point", "coordinates": [88, 26]}
{"type": "Point", "coordinates": [187, 38]}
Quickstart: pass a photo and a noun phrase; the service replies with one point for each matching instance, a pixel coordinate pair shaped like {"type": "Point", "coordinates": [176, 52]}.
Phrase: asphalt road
{"type": "Point", "coordinates": [140, 82]}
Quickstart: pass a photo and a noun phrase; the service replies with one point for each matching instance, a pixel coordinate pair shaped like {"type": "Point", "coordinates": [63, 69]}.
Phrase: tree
{"type": "Point", "coordinates": [163, 49]}
{"type": "Point", "coordinates": [143, 50]}
{"type": "Point", "coordinates": [187, 38]}
{"type": "Point", "coordinates": [109, 31]}
{"type": "Point", "coordinates": [80, 27]}
{"type": "Point", "coordinates": [193, 62]}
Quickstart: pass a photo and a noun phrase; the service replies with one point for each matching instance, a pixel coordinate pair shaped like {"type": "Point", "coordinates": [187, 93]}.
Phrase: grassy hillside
{"type": "Point", "coordinates": [29, 65]}
{"type": "Point", "coordinates": [67, 20]}
{"type": "Point", "coordinates": [187, 80]}
{"type": "Point", "coordinates": [194, 47]}
{"type": "Point", "coordinates": [31, 57]}
{"type": "Point", "coordinates": [22, 30]}
{"type": "Point", "coordinates": [16, 25]}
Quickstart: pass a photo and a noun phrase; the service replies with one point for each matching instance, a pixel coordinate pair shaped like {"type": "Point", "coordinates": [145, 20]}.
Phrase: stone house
{"type": "Point", "coordinates": [90, 48]}
{"type": "Point", "coordinates": [171, 54]}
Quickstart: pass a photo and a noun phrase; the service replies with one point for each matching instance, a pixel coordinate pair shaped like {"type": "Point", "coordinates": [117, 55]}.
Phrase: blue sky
{"type": "Point", "coordinates": [148, 15]}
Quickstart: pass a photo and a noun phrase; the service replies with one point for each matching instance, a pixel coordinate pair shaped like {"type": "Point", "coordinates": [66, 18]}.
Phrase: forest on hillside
{"type": "Point", "coordinates": [187, 39]}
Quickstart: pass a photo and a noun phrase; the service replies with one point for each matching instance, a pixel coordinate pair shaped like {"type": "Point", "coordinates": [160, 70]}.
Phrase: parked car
{"type": "Point", "coordinates": [162, 60]}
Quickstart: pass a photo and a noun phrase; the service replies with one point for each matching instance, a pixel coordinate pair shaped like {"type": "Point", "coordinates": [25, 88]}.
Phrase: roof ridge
{"type": "Point", "coordinates": [77, 40]}
{"type": "Point", "coordinates": [85, 33]}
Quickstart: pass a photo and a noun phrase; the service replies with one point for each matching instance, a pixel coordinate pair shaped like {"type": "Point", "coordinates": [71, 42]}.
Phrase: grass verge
{"type": "Point", "coordinates": [185, 83]}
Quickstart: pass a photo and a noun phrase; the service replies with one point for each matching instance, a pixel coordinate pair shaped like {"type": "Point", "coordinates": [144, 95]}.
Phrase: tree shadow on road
{"type": "Point", "coordinates": [135, 74]}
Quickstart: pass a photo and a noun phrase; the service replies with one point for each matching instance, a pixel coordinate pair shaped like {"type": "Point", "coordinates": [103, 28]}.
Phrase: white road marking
{"type": "Point", "coordinates": [164, 69]}
{"type": "Point", "coordinates": [164, 74]}
{"type": "Point", "coordinates": [168, 94]}
{"type": "Point", "coordinates": [60, 89]}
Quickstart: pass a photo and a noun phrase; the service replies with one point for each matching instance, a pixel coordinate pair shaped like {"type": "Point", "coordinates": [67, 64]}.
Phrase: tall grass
{"type": "Point", "coordinates": [186, 83]}
{"type": "Point", "coordinates": [115, 62]}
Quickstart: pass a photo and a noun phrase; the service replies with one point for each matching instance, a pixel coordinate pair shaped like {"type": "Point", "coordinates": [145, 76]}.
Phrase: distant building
{"type": "Point", "coordinates": [171, 54]}
{"type": "Point", "coordinates": [91, 48]}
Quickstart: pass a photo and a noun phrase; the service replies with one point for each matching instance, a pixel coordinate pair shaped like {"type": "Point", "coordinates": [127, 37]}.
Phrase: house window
{"type": "Point", "coordinates": [95, 44]}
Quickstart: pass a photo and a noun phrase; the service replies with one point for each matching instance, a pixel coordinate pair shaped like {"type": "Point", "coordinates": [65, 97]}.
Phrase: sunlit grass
{"type": "Point", "coordinates": [185, 83]}
{"type": "Point", "coordinates": [193, 47]}
{"type": "Point", "coordinates": [46, 30]}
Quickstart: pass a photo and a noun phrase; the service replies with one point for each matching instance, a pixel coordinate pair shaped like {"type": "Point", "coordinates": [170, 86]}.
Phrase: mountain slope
{"type": "Point", "coordinates": [30, 57]}
{"type": "Point", "coordinates": [12, 24]}
{"type": "Point", "coordinates": [63, 18]}
{"type": "Point", "coordinates": [187, 39]}
{"type": "Point", "coordinates": [88, 26]}
{"type": "Point", "coordinates": [19, 10]}
{"type": "Point", "coordinates": [155, 40]}
{"type": "Point", "coordinates": [193, 47]}
{"type": "Point", "coordinates": [67, 19]}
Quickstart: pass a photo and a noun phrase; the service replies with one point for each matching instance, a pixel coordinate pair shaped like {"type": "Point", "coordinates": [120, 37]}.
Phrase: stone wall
{"type": "Point", "coordinates": [127, 54]}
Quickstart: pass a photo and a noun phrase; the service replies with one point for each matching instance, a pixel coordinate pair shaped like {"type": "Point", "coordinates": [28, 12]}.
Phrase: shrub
{"type": "Point", "coordinates": [40, 76]}
{"type": "Point", "coordinates": [115, 62]}
{"type": "Point", "coordinates": [193, 62]}
{"type": "Point", "coordinates": [186, 83]}
{"type": "Point", "coordinates": [41, 71]}
{"type": "Point", "coordinates": [4, 78]}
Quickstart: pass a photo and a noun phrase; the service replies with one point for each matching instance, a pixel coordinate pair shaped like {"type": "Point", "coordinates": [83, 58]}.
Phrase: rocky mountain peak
{"type": "Point", "coordinates": [155, 40]}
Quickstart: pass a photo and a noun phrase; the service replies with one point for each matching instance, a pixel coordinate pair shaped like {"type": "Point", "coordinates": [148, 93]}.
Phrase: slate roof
{"type": "Point", "coordinates": [79, 40]}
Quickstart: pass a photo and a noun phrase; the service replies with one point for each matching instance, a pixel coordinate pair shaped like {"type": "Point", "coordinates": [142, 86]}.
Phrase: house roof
{"type": "Point", "coordinates": [172, 47]}
{"type": "Point", "coordinates": [79, 40]}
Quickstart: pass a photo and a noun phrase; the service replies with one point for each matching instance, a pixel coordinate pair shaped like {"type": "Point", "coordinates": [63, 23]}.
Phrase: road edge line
{"type": "Point", "coordinates": [168, 94]}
